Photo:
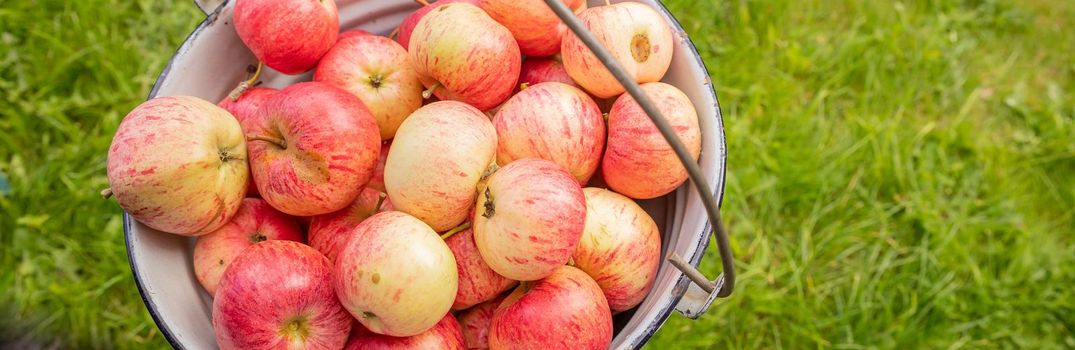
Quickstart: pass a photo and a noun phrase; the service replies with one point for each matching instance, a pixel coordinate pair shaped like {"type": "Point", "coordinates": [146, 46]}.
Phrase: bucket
{"type": "Point", "coordinates": [213, 60]}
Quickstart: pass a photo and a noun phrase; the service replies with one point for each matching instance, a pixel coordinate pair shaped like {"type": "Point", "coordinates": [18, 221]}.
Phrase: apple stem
{"type": "Point", "coordinates": [524, 86]}
{"type": "Point", "coordinates": [489, 171]}
{"type": "Point", "coordinates": [490, 208]}
{"type": "Point", "coordinates": [380, 200]}
{"type": "Point", "coordinates": [393, 34]}
{"type": "Point", "coordinates": [455, 230]}
{"type": "Point", "coordinates": [106, 193]}
{"type": "Point", "coordinates": [278, 142]}
{"type": "Point", "coordinates": [422, 2]}
{"type": "Point", "coordinates": [607, 3]}
{"type": "Point", "coordinates": [428, 93]}
{"type": "Point", "coordinates": [239, 90]}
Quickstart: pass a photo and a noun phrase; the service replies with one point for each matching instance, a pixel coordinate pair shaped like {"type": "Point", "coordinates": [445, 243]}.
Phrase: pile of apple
{"type": "Point", "coordinates": [429, 193]}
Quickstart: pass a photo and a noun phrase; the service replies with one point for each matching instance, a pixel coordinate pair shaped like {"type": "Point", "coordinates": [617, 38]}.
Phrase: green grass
{"type": "Point", "coordinates": [901, 175]}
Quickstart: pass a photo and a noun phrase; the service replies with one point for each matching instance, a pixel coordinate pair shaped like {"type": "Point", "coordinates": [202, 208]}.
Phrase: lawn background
{"type": "Point", "coordinates": [901, 174]}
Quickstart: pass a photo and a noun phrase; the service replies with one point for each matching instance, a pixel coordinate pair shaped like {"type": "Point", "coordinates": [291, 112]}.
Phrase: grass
{"type": "Point", "coordinates": [901, 174]}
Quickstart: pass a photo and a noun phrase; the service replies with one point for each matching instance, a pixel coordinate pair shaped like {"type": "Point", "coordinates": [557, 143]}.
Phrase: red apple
{"type": "Point", "coordinates": [536, 70]}
{"type": "Point", "coordinates": [533, 24]}
{"type": "Point", "coordinates": [461, 54]}
{"type": "Point", "coordinates": [256, 221]}
{"type": "Point", "coordinates": [477, 282]}
{"type": "Point", "coordinates": [312, 148]}
{"type": "Point", "coordinates": [565, 310]}
{"type": "Point", "coordinates": [439, 154]}
{"type": "Point", "coordinates": [289, 36]}
{"type": "Point", "coordinates": [244, 108]}
{"type": "Point", "coordinates": [475, 323]}
{"type": "Point", "coordinates": [351, 33]}
{"type": "Point", "coordinates": [529, 219]}
{"type": "Point", "coordinates": [638, 161]}
{"type": "Point", "coordinates": [330, 232]}
{"type": "Point", "coordinates": [445, 335]}
{"type": "Point", "coordinates": [620, 248]}
{"type": "Point", "coordinates": [637, 37]}
{"type": "Point", "coordinates": [378, 71]}
{"type": "Point", "coordinates": [397, 277]}
{"type": "Point", "coordinates": [178, 164]}
{"type": "Point", "coordinates": [405, 28]}
{"type": "Point", "coordinates": [278, 294]}
{"type": "Point", "coordinates": [377, 181]}
{"type": "Point", "coordinates": [555, 122]}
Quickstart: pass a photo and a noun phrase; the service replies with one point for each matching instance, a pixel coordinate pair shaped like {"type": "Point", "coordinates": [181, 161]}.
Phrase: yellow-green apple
{"type": "Point", "coordinates": [461, 54]}
{"type": "Point", "coordinates": [289, 36]}
{"type": "Point", "coordinates": [256, 221]}
{"type": "Point", "coordinates": [178, 164]}
{"type": "Point", "coordinates": [529, 219]}
{"type": "Point", "coordinates": [537, 70]}
{"type": "Point", "coordinates": [439, 154]}
{"type": "Point", "coordinates": [244, 107]}
{"type": "Point", "coordinates": [278, 295]}
{"type": "Point", "coordinates": [396, 276]}
{"type": "Point", "coordinates": [477, 282]}
{"type": "Point", "coordinates": [638, 161]}
{"type": "Point", "coordinates": [330, 232]}
{"type": "Point", "coordinates": [533, 24]}
{"type": "Point", "coordinates": [620, 248]}
{"type": "Point", "coordinates": [378, 71]}
{"type": "Point", "coordinates": [555, 122]}
{"type": "Point", "coordinates": [475, 323]}
{"type": "Point", "coordinates": [637, 37]}
{"type": "Point", "coordinates": [377, 181]}
{"type": "Point", "coordinates": [312, 148]}
{"type": "Point", "coordinates": [565, 310]}
{"type": "Point", "coordinates": [405, 28]}
{"type": "Point", "coordinates": [445, 335]}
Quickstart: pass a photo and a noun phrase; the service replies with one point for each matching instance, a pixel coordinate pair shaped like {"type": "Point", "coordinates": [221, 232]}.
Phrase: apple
{"type": "Point", "coordinates": [379, 72]}
{"type": "Point", "coordinates": [330, 232]}
{"type": "Point", "coordinates": [529, 219]}
{"type": "Point", "coordinates": [477, 282]}
{"type": "Point", "coordinates": [312, 148]}
{"type": "Point", "coordinates": [620, 248]}
{"type": "Point", "coordinates": [244, 108]}
{"type": "Point", "coordinates": [439, 154]}
{"type": "Point", "coordinates": [405, 28]}
{"type": "Point", "coordinates": [350, 33]}
{"type": "Point", "coordinates": [537, 70]}
{"type": "Point", "coordinates": [555, 122]}
{"type": "Point", "coordinates": [533, 24]}
{"type": "Point", "coordinates": [475, 323]}
{"type": "Point", "coordinates": [446, 335]}
{"type": "Point", "coordinates": [278, 294]}
{"type": "Point", "coordinates": [289, 36]}
{"type": "Point", "coordinates": [638, 161]}
{"type": "Point", "coordinates": [637, 37]}
{"type": "Point", "coordinates": [256, 221]}
{"type": "Point", "coordinates": [397, 276]}
{"type": "Point", "coordinates": [178, 164]}
{"type": "Point", "coordinates": [377, 181]}
{"type": "Point", "coordinates": [461, 54]}
{"type": "Point", "coordinates": [387, 205]}
{"type": "Point", "coordinates": [565, 310]}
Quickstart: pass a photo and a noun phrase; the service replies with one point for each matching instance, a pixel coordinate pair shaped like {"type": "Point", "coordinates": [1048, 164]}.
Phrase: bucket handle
{"type": "Point", "coordinates": [725, 282]}
{"type": "Point", "coordinates": [208, 6]}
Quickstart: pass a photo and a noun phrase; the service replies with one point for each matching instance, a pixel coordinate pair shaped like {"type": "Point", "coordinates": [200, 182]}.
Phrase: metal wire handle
{"type": "Point", "coordinates": [726, 280]}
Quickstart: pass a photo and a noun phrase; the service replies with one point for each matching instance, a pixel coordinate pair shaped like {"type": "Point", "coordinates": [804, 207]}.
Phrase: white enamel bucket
{"type": "Point", "coordinates": [213, 60]}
